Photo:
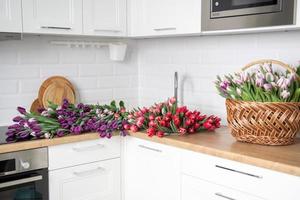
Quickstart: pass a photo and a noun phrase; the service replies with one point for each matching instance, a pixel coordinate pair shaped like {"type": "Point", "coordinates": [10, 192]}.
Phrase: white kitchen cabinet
{"type": "Point", "coordinates": [95, 181]}
{"type": "Point", "coordinates": [104, 17]}
{"type": "Point", "coordinates": [195, 189]}
{"type": "Point", "coordinates": [263, 183]}
{"type": "Point", "coordinates": [151, 171]}
{"type": "Point", "coordinates": [10, 16]}
{"type": "Point", "coordinates": [164, 17]}
{"type": "Point", "coordinates": [67, 155]}
{"type": "Point", "coordinates": [52, 16]}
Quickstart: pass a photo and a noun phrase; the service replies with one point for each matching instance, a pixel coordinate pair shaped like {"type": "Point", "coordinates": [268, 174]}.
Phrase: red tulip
{"type": "Point", "coordinates": [151, 132]}
{"type": "Point", "coordinates": [139, 124]}
{"type": "Point", "coordinates": [134, 128]}
{"type": "Point", "coordinates": [160, 134]}
{"type": "Point", "coordinates": [151, 117]}
{"type": "Point", "coordinates": [182, 131]}
{"type": "Point", "coordinates": [163, 123]}
{"type": "Point", "coordinates": [191, 130]}
{"type": "Point", "coordinates": [172, 101]}
{"type": "Point", "coordinates": [152, 124]}
{"type": "Point", "coordinates": [126, 126]}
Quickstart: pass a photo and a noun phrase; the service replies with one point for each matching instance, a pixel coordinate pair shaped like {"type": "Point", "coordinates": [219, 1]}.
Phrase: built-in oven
{"type": "Point", "coordinates": [24, 175]}
{"type": "Point", "coordinates": [238, 14]}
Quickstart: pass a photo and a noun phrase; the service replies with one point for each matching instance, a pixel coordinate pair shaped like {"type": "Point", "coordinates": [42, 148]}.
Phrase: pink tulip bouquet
{"type": "Point", "coordinates": [264, 84]}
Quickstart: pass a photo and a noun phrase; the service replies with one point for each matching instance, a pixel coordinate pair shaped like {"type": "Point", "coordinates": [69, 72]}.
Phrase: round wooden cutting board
{"type": "Point", "coordinates": [56, 93]}
{"type": "Point", "coordinates": [59, 80]}
{"type": "Point", "coordinates": [35, 106]}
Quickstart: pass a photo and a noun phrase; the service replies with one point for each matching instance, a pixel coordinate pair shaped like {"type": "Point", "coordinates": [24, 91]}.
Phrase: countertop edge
{"type": "Point", "coordinates": [238, 157]}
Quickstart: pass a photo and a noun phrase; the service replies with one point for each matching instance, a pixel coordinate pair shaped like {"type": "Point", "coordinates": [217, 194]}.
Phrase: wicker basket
{"type": "Point", "coordinates": [268, 123]}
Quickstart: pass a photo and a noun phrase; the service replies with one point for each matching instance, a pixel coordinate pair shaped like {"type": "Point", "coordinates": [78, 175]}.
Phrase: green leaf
{"type": "Point", "coordinates": [173, 127]}
{"type": "Point", "coordinates": [121, 104]}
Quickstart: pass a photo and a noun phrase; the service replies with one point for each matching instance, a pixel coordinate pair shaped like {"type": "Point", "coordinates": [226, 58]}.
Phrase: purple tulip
{"type": "Point", "coordinates": [21, 110]}
{"type": "Point", "coordinates": [103, 127]}
{"type": "Point", "coordinates": [268, 87]}
{"type": "Point", "coordinates": [76, 129]}
{"type": "Point", "coordinates": [15, 126]}
{"type": "Point", "coordinates": [18, 119]}
{"type": "Point", "coordinates": [260, 82]}
{"type": "Point", "coordinates": [60, 133]}
{"type": "Point", "coordinates": [123, 133]}
{"type": "Point", "coordinates": [24, 134]}
{"type": "Point", "coordinates": [11, 133]}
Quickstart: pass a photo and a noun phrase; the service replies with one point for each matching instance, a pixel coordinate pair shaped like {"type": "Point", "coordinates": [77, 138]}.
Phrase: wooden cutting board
{"type": "Point", "coordinates": [35, 106]}
{"type": "Point", "coordinates": [56, 93]}
{"type": "Point", "coordinates": [59, 80]}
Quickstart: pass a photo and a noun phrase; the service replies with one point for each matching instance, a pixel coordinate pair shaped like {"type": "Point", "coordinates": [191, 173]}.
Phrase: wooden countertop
{"type": "Point", "coordinates": [33, 144]}
{"type": "Point", "coordinates": [220, 143]}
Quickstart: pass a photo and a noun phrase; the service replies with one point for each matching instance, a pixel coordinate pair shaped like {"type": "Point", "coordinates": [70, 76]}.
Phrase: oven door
{"type": "Point", "coordinates": [231, 8]}
{"type": "Point", "coordinates": [25, 186]}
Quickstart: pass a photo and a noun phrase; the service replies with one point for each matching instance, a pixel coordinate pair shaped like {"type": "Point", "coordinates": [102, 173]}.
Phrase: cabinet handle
{"type": "Point", "coordinates": [21, 181]}
{"type": "Point", "coordinates": [88, 148]}
{"type": "Point", "coordinates": [149, 148]}
{"type": "Point", "coordinates": [89, 172]}
{"type": "Point", "coordinates": [165, 29]}
{"type": "Point", "coordinates": [56, 27]}
{"type": "Point", "coordinates": [107, 30]}
{"type": "Point", "coordinates": [240, 172]}
{"type": "Point", "coordinates": [224, 196]}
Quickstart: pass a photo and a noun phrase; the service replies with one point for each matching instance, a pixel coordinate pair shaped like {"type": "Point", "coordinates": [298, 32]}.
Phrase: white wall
{"type": "Point", "coordinates": [199, 59]}
{"type": "Point", "coordinates": [146, 76]}
{"type": "Point", "coordinates": [25, 64]}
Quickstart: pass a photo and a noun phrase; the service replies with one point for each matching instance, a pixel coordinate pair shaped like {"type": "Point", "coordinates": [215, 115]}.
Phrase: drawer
{"type": "Point", "coordinates": [195, 189]}
{"type": "Point", "coordinates": [99, 180]}
{"type": "Point", "coordinates": [78, 153]}
{"type": "Point", "coordinates": [262, 182]}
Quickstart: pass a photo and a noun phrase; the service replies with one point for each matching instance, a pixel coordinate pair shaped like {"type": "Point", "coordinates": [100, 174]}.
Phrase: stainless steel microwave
{"type": "Point", "coordinates": [239, 14]}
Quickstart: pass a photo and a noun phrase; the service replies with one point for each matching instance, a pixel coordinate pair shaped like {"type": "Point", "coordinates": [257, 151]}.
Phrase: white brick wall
{"type": "Point", "coordinates": [147, 74]}
{"type": "Point", "coordinates": [25, 64]}
{"type": "Point", "coordinates": [199, 59]}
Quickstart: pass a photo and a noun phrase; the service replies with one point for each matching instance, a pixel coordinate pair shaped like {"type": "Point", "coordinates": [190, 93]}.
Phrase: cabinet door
{"type": "Point", "coordinates": [195, 189]}
{"type": "Point", "coordinates": [52, 16]}
{"type": "Point", "coordinates": [100, 180]}
{"type": "Point", "coordinates": [104, 17]}
{"type": "Point", "coordinates": [10, 16]}
{"type": "Point", "coordinates": [165, 17]}
{"type": "Point", "coordinates": [151, 171]}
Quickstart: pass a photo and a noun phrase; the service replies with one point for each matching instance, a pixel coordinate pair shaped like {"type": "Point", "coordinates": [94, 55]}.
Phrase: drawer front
{"type": "Point", "coordinates": [195, 189]}
{"type": "Point", "coordinates": [99, 180]}
{"type": "Point", "coordinates": [262, 182]}
{"type": "Point", "coordinates": [68, 155]}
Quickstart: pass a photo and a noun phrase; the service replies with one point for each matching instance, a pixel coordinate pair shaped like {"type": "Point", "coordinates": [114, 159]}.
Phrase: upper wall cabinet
{"type": "Point", "coordinates": [52, 16]}
{"type": "Point", "coordinates": [104, 17]}
{"type": "Point", "coordinates": [10, 16]}
{"type": "Point", "coordinates": [164, 17]}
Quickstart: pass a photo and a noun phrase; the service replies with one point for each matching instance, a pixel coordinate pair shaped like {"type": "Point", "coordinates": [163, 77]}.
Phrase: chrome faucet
{"type": "Point", "coordinates": [176, 86]}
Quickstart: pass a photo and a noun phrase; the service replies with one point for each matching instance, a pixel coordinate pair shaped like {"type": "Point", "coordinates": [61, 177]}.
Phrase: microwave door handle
{"type": "Point", "coordinates": [21, 181]}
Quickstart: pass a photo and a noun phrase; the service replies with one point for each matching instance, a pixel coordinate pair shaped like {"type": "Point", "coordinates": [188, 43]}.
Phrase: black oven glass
{"type": "Point", "coordinates": [224, 5]}
{"type": "Point", "coordinates": [32, 190]}
{"type": "Point", "coordinates": [7, 165]}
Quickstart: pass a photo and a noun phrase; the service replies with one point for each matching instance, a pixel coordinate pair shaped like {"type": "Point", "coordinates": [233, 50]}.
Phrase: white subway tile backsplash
{"type": "Point", "coordinates": [38, 56]}
{"type": "Point", "coordinates": [200, 59]}
{"type": "Point", "coordinates": [25, 64]}
{"type": "Point", "coordinates": [8, 56]}
{"type": "Point", "coordinates": [78, 56]}
{"type": "Point", "coordinates": [19, 71]}
{"type": "Point", "coordinates": [55, 70]}
{"type": "Point", "coordinates": [96, 70]}
{"type": "Point", "coordinates": [9, 86]}
{"type": "Point", "coordinates": [30, 85]}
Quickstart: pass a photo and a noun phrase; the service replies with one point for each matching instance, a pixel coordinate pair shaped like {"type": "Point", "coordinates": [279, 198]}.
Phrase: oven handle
{"type": "Point", "coordinates": [21, 181]}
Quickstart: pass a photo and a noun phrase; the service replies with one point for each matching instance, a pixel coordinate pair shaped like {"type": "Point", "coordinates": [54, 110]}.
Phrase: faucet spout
{"type": "Point", "coordinates": [176, 86]}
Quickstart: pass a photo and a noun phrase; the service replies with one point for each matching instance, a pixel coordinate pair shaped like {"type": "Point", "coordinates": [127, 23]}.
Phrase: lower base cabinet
{"type": "Point", "coordinates": [152, 171]}
{"type": "Point", "coordinates": [195, 189]}
{"type": "Point", "coordinates": [94, 181]}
